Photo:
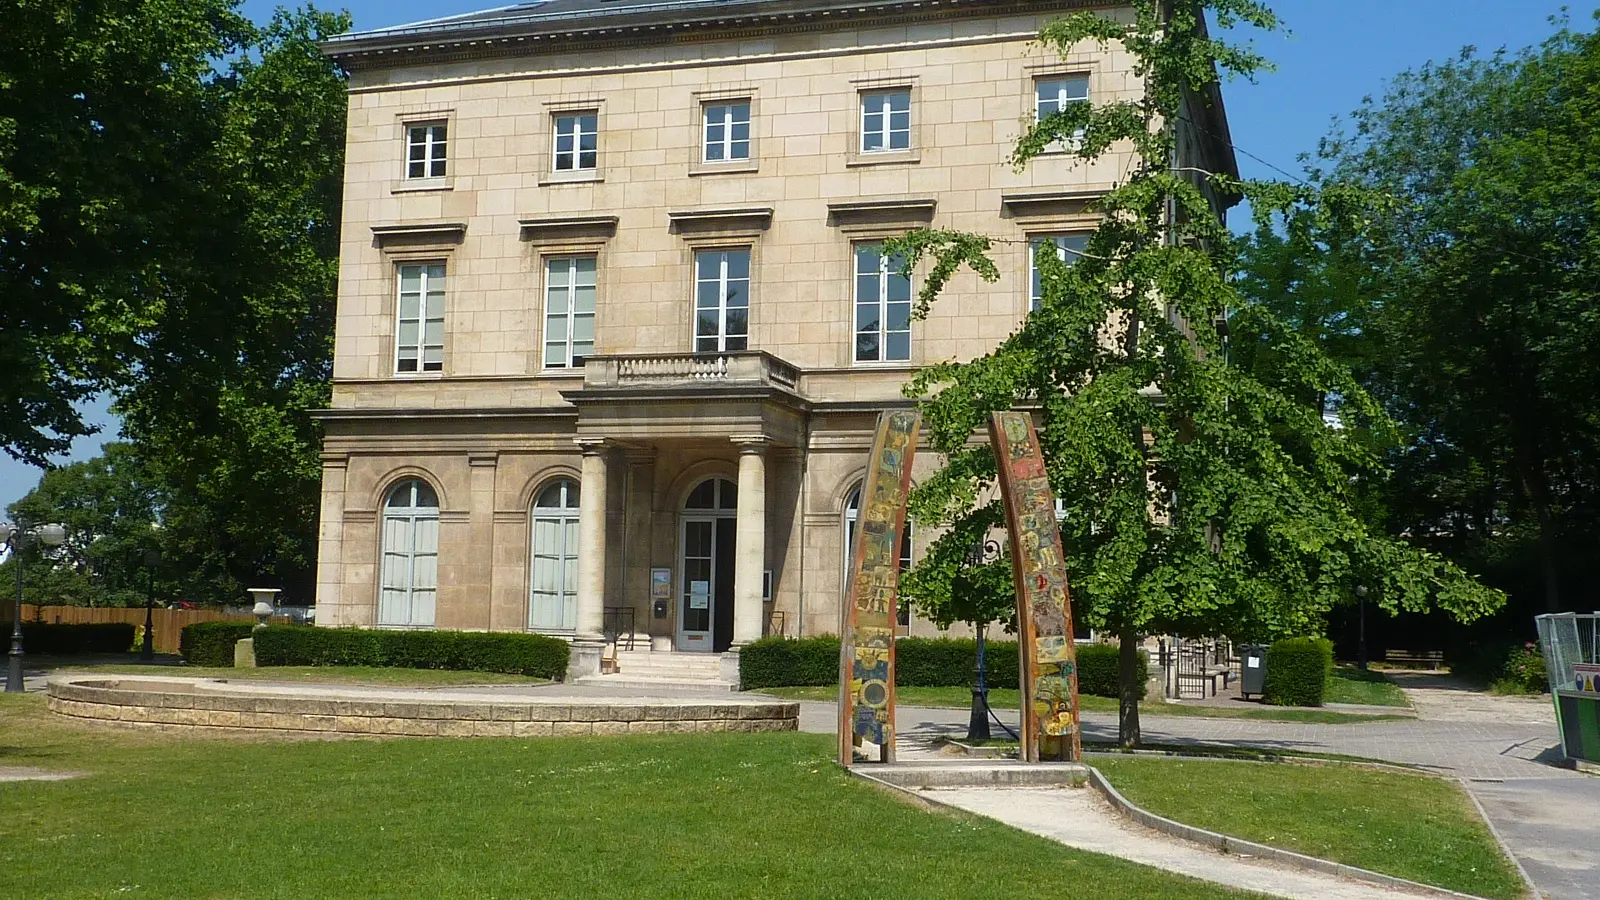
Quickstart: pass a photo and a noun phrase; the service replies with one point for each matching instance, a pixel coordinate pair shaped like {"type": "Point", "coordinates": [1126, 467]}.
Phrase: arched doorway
{"type": "Point", "coordinates": [553, 558]}
{"type": "Point", "coordinates": [706, 559]}
{"type": "Point", "coordinates": [410, 585]}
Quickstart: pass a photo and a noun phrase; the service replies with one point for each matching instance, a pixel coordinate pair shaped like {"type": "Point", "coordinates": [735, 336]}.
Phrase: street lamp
{"type": "Point", "coordinates": [1361, 633]}
{"type": "Point", "coordinates": [51, 535]}
{"type": "Point", "coordinates": [978, 723]}
{"type": "Point", "coordinates": [147, 649]}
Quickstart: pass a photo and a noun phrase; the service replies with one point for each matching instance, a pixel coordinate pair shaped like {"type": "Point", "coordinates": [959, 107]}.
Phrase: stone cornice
{"type": "Point", "coordinates": [517, 35]}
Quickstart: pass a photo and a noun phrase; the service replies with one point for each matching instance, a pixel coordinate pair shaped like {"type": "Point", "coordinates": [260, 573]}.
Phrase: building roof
{"type": "Point", "coordinates": [557, 18]}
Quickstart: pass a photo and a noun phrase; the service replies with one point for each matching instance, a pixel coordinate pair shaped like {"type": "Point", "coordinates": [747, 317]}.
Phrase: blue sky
{"type": "Point", "coordinates": [1335, 54]}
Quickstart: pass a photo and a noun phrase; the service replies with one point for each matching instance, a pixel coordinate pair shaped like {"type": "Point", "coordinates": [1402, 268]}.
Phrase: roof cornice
{"type": "Point", "coordinates": [652, 23]}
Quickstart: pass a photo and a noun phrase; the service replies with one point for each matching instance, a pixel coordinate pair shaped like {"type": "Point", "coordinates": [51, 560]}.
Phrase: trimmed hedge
{"type": "Point", "coordinates": [211, 643]}
{"type": "Point", "coordinates": [52, 639]}
{"type": "Point", "coordinates": [919, 662]}
{"type": "Point", "coordinates": [1298, 670]}
{"type": "Point", "coordinates": [535, 655]}
{"type": "Point", "coordinates": [1099, 666]}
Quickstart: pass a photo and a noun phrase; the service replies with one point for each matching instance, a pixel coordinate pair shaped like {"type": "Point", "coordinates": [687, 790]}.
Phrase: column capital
{"type": "Point", "coordinates": [590, 446]}
{"type": "Point", "coordinates": [752, 444]}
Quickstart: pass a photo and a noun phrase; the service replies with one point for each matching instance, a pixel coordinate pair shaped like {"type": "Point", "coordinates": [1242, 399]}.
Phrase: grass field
{"type": "Point", "coordinates": [1412, 826]}
{"type": "Point", "coordinates": [317, 674]}
{"type": "Point", "coordinates": [1006, 698]}
{"type": "Point", "coordinates": [712, 816]}
{"type": "Point", "coordinates": [1351, 685]}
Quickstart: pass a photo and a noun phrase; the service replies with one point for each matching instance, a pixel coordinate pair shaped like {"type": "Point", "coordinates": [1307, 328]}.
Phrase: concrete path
{"type": "Point", "coordinates": [1502, 748]}
{"type": "Point", "coordinates": [1081, 818]}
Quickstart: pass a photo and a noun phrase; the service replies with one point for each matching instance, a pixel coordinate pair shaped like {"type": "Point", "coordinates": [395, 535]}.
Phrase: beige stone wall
{"type": "Point", "coordinates": [972, 82]}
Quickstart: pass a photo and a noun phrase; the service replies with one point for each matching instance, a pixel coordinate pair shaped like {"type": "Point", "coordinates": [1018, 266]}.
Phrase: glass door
{"type": "Point", "coordinates": [697, 591]}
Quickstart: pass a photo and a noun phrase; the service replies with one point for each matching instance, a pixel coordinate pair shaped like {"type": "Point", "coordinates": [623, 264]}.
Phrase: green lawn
{"type": "Point", "coordinates": [316, 674]}
{"type": "Point", "coordinates": [1351, 685]}
{"type": "Point", "coordinates": [1006, 698]}
{"type": "Point", "coordinates": [711, 816]}
{"type": "Point", "coordinates": [1412, 826]}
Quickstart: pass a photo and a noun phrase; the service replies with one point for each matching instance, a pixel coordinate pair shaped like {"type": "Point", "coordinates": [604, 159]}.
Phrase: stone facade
{"type": "Point", "coordinates": [644, 420]}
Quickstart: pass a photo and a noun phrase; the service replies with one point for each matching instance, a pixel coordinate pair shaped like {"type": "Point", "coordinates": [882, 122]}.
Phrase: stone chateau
{"type": "Point", "coordinates": [614, 326]}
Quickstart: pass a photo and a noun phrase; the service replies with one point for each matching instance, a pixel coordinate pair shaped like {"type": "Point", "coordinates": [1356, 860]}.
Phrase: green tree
{"type": "Point", "coordinates": [1473, 303]}
{"type": "Point", "coordinates": [241, 354]}
{"type": "Point", "coordinates": [105, 130]}
{"type": "Point", "coordinates": [1197, 497]}
{"type": "Point", "coordinates": [108, 506]}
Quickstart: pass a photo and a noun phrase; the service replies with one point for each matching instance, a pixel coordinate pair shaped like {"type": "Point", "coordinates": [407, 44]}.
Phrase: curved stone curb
{"type": "Point", "coordinates": [1225, 844]}
{"type": "Point", "coordinates": [212, 704]}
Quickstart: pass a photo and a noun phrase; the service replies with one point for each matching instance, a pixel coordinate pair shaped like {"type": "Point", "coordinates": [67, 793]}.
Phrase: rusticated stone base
{"type": "Point", "coordinates": [189, 703]}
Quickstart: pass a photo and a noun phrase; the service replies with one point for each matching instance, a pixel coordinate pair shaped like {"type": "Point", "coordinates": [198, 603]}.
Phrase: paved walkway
{"type": "Point", "coordinates": [1082, 819]}
{"type": "Point", "coordinates": [1503, 749]}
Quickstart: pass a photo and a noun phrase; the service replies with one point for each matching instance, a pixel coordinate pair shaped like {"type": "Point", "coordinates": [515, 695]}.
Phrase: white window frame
{"type": "Point", "coordinates": [431, 306]}
{"type": "Point", "coordinates": [565, 562]}
{"type": "Point", "coordinates": [571, 266]}
{"type": "Point", "coordinates": [727, 122]}
{"type": "Point", "coordinates": [880, 102]}
{"type": "Point", "coordinates": [1064, 85]}
{"type": "Point", "coordinates": [723, 283]}
{"type": "Point", "coordinates": [409, 594]}
{"type": "Point", "coordinates": [434, 143]}
{"type": "Point", "coordinates": [575, 120]}
{"type": "Point", "coordinates": [1068, 247]}
{"type": "Point", "coordinates": [882, 279]}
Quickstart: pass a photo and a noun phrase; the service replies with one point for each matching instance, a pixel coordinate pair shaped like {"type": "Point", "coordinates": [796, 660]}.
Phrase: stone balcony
{"type": "Point", "coordinates": [646, 398]}
{"type": "Point", "coordinates": [666, 370]}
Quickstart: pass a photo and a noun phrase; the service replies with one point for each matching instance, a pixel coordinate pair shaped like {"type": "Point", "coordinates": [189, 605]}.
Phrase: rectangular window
{"type": "Point", "coordinates": [577, 141]}
{"type": "Point", "coordinates": [1054, 93]}
{"type": "Point", "coordinates": [722, 301]}
{"type": "Point", "coordinates": [885, 121]}
{"type": "Point", "coordinates": [1068, 247]}
{"type": "Point", "coordinates": [568, 311]}
{"type": "Point", "coordinates": [419, 327]}
{"type": "Point", "coordinates": [425, 150]}
{"type": "Point", "coordinates": [883, 306]}
{"type": "Point", "coordinates": [727, 131]}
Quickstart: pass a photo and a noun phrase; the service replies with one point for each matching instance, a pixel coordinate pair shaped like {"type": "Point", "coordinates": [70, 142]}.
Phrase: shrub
{"type": "Point", "coordinates": [784, 662]}
{"type": "Point", "coordinates": [211, 643]}
{"type": "Point", "coordinates": [512, 653]}
{"type": "Point", "coordinates": [1099, 670]}
{"type": "Point", "coordinates": [1298, 671]}
{"type": "Point", "coordinates": [52, 639]}
{"type": "Point", "coordinates": [1522, 672]}
{"type": "Point", "coordinates": [919, 662]}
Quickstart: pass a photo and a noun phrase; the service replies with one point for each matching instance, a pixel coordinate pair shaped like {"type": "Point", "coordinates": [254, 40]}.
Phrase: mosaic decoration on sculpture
{"type": "Point", "coordinates": [866, 663]}
{"type": "Point", "coordinates": [1044, 610]}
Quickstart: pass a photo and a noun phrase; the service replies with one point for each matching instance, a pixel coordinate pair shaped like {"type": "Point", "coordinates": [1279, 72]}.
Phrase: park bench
{"type": "Point", "coordinates": [1414, 659]}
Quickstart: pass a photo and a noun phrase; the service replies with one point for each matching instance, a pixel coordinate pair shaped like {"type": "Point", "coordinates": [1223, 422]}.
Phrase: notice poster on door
{"type": "Point", "coordinates": [699, 595]}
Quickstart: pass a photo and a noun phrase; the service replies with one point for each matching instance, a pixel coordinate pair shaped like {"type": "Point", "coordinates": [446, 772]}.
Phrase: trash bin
{"type": "Point", "coordinates": [1253, 670]}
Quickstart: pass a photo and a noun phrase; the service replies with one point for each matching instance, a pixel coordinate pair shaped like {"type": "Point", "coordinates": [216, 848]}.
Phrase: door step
{"type": "Point", "coordinates": [658, 682]}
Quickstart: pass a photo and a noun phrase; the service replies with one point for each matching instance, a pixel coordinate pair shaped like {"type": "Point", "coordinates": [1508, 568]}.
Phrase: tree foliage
{"type": "Point", "coordinates": [1197, 496]}
{"type": "Point", "coordinates": [1465, 303]}
{"type": "Point", "coordinates": [170, 180]}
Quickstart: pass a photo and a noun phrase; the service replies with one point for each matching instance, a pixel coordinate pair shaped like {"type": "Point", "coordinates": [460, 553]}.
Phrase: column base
{"type": "Point", "coordinates": [730, 666]}
{"type": "Point", "coordinates": [584, 658]}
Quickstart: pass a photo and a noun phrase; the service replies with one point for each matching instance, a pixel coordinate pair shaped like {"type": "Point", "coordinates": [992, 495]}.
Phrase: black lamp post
{"type": "Point", "coordinates": [1361, 627]}
{"type": "Point", "coordinates": [147, 649]}
{"type": "Point", "coordinates": [14, 537]}
{"type": "Point", "coordinates": [978, 723]}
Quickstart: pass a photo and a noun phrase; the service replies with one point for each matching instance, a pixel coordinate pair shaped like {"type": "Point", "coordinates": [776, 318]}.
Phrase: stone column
{"type": "Point", "coordinates": [590, 640]}
{"type": "Point", "coordinates": [752, 540]}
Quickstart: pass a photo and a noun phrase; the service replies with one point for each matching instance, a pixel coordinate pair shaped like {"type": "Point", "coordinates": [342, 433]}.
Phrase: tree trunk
{"type": "Point", "coordinates": [1132, 689]}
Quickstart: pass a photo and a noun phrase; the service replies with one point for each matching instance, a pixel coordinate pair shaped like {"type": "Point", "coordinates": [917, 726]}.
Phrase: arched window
{"type": "Point", "coordinates": [713, 495]}
{"type": "Point", "coordinates": [553, 579]}
{"type": "Point", "coordinates": [852, 512]}
{"type": "Point", "coordinates": [410, 555]}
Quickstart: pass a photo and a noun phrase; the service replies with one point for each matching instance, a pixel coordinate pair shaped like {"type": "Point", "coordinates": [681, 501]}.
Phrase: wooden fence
{"type": "Point", "coordinates": [168, 622]}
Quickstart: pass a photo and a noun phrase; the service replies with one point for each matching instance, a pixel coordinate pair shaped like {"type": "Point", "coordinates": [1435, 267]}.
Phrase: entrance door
{"type": "Point", "coordinates": [705, 590]}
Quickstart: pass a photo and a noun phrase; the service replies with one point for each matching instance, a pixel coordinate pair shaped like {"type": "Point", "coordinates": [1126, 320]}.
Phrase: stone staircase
{"type": "Point", "coordinates": [644, 669]}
